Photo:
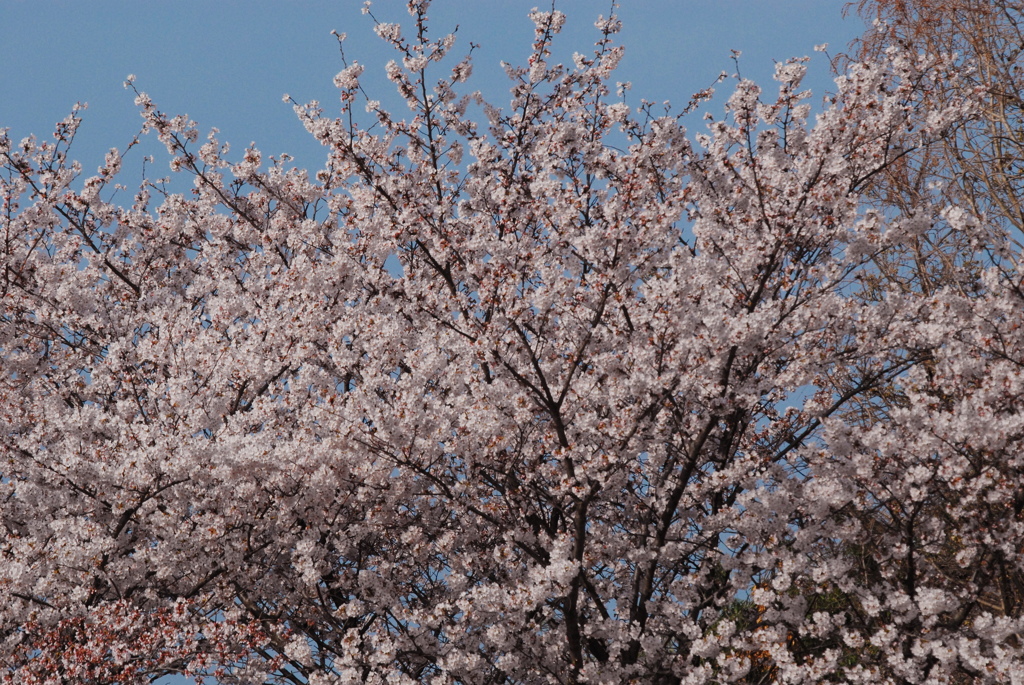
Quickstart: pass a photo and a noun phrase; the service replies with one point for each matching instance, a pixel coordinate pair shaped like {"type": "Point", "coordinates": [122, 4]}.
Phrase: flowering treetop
{"type": "Point", "coordinates": [634, 408]}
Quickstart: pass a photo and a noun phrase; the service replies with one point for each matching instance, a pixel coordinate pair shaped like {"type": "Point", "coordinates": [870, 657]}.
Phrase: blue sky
{"type": "Point", "coordinates": [227, 63]}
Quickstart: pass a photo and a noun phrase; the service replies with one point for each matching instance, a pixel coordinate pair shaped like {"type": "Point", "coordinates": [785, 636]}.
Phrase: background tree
{"type": "Point", "coordinates": [981, 159]}
{"type": "Point", "coordinates": [548, 393]}
{"type": "Point", "coordinates": [975, 165]}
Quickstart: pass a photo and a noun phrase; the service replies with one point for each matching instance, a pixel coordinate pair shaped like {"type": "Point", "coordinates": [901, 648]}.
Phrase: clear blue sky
{"type": "Point", "coordinates": [226, 63]}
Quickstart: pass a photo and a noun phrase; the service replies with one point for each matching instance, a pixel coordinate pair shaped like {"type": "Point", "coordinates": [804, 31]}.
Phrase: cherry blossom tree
{"type": "Point", "coordinates": [554, 392]}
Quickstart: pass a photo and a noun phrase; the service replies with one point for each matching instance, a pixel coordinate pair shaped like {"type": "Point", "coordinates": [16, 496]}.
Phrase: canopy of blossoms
{"type": "Point", "coordinates": [557, 392]}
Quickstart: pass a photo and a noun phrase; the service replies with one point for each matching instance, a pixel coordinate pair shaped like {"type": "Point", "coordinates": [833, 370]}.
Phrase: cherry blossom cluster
{"type": "Point", "coordinates": [553, 392]}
